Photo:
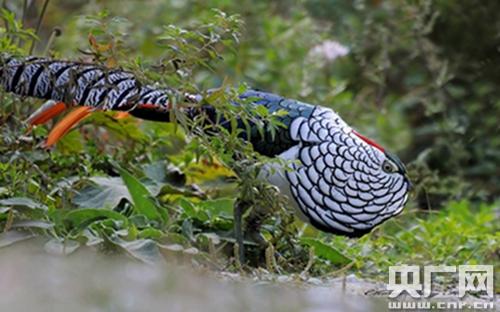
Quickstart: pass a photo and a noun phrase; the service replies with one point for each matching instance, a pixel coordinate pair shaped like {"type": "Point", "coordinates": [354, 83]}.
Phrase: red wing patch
{"type": "Point", "coordinates": [154, 106]}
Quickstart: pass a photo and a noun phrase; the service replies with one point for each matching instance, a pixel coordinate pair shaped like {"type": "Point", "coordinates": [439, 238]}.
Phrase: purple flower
{"type": "Point", "coordinates": [329, 50]}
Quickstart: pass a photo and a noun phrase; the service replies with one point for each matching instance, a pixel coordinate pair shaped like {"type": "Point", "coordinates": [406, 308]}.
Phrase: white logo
{"type": "Point", "coordinates": [475, 278]}
{"type": "Point", "coordinates": [471, 278]}
{"type": "Point", "coordinates": [406, 272]}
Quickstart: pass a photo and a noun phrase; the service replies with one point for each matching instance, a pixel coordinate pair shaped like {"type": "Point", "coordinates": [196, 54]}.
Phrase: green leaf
{"type": "Point", "coordinates": [222, 207]}
{"type": "Point", "coordinates": [145, 250]}
{"type": "Point", "coordinates": [326, 251]}
{"type": "Point", "coordinates": [140, 221]}
{"type": "Point", "coordinates": [71, 143]}
{"type": "Point", "coordinates": [105, 193]}
{"type": "Point", "coordinates": [84, 217]}
{"type": "Point", "coordinates": [163, 172]}
{"type": "Point", "coordinates": [140, 196]}
{"type": "Point", "coordinates": [188, 207]}
{"type": "Point", "coordinates": [262, 110]}
{"type": "Point", "coordinates": [22, 202]}
{"type": "Point", "coordinates": [11, 237]}
{"type": "Point", "coordinates": [150, 233]}
{"type": "Point", "coordinates": [122, 128]}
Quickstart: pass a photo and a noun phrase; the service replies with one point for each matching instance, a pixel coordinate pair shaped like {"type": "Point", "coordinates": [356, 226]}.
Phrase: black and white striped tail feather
{"type": "Point", "coordinates": [79, 84]}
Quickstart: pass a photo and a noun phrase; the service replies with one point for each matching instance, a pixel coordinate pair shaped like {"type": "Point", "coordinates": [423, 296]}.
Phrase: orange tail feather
{"type": "Point", "coordinates": [46, 113]}
{"type": "Point", "coordinates": [66, 124]}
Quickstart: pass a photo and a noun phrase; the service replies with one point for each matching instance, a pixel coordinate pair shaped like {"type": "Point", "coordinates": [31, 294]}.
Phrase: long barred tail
{"type": "Point", "coordinates": [82, 84]}
{"type": "Point", "coordinates": [89, 86]}
{"type": "Point", "coordinates": [95, 87]}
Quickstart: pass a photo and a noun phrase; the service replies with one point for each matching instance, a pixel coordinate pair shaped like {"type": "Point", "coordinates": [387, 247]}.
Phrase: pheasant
{"type": "Point", "coordinates": [339, 180]}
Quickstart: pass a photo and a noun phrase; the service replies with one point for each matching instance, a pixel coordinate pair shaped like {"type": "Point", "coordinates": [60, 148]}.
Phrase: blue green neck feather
{"type": "Point", "coordinates": [282, 141]}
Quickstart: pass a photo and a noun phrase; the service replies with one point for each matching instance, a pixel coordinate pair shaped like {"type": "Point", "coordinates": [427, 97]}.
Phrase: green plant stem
{"type": "Point", "coordinates": [39, 24]}
{"type": "Point", "coordinates": [23, 18]}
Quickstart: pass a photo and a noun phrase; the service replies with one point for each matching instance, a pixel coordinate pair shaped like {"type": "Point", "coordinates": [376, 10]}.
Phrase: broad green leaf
{"type": "Point", "coordinates": [188, 207]}
{"type": "Point", "coordinates": [122, 128]}
{"type": "Point", "coordinates": [145, 250]}
{"type": "Point", "coordinates": [22, 202]}
{"type": "Point", "coordinates": [139, 220]}
{"type": "Point", "coordinates": [150, 233]}
{"type": "Point", "coordinates": [11, 237]}
{"type": "Point", "coordinates": [156, 171]}
{"type": "Point", "coordinates": [326, 251]}
{"type": "Point", "coordinates": [105, 193]}
{"type": "Point", "coordinates": [79, 217]}
{"type": "Point", "coordinates": [187, 229]}
{"type": "Point", "coordinates": [163, 172]}
{"type": "Point", "coordinates": [222, 207]}
{"type": "Point", "coordinates": [140, 196]}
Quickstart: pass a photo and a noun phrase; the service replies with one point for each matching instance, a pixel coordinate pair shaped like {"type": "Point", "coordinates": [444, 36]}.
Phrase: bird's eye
{"type": "Point", "coordinates": [388, 167]}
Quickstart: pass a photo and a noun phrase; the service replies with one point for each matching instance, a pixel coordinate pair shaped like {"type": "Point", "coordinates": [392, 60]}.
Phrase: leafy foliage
{"type": "Point", "coordinates": [159, 191]}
